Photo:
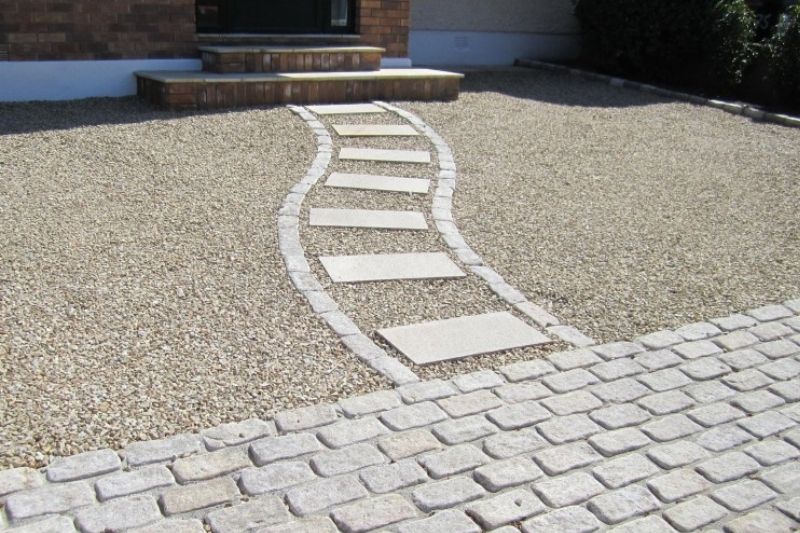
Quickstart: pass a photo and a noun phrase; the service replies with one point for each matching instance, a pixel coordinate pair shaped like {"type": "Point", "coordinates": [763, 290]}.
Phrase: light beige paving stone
{"type": "Point", "coordinates": [367, 218]}
{"type": "Point", "coordinates": [384, 155]}
{"type": "Point", "coordinates": [273, 477]}
{"type": "Point", "coordinates": [345, 109]}
{"type": "Point", "coordinates": [383, 479]}
{"type": "Point", "coordinates": [248, 516]}
{"type": "Point", "coordinates": [373, 513]}
{"type": "Point", "coordinates": [276, 448]}
{"type": "Point", "coordinates": [210, 465]}
{"type": "Point", "coordinates": [455, 338]}
{"type": "Point", "coordinates": [54, 524]}
{"type": "Point", "coordinates": [17, 479]}
{"type": "Point", "coordinates": [173, 525]}
{"type": "Point", "coordinates": [505, 509]}
{"type": "Point", "coordinates": [761, 520]}
{"type": "Point", "coordinates": [314, 497]}
{"type": "Point", "coordinates": [375, 130]}
{"type": "Point", "coordinates": [127, 483]}
{"type": "Point", "coordinates": [199, 496]}
{"type": "Point", "coordinates": [567, 520]}
{"type": "Point", "coordinates": [310, 525]}
{"type": "Point", "coordinates": [378, 183]}
{"type": "Point", "coordinates": [359, 268]}
{"type": "Point", "coordinates": [235, 433]}
{"type": "Point", "coordinates": [48, 499]}
{"type": "Point", "coordinates": [117, 515]}
{"type": "Point", "coordinates": [450, 520]}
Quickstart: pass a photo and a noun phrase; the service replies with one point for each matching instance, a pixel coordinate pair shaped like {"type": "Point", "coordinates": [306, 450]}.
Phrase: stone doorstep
{"type": "Point", "coordinates": [255, 49]}
{"type": "Point", "coordinates": [175, 76]}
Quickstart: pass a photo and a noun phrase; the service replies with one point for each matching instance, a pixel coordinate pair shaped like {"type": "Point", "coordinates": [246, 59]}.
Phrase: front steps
{"type": "Point", "coordinates": [249, 75]}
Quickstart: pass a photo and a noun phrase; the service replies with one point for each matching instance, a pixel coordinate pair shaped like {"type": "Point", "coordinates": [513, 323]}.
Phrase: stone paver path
{"type": "Point", "coordinates": [678, 431]}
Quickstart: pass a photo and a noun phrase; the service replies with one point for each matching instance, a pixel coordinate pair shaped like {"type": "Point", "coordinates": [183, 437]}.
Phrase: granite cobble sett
{"type": "Point", "coordinates": [505, 509]}
{"type": "Point", "coordinates": [306, 418]}
{"type": "Point", "coordinates": [678, 485]}
{"type": "Point", "coordinates": [677, 454]}
{"type": "Point", "coordinates": [426, 390]}
{"type": "Point", "coordinates": [413, 416]}
{"type": "Point", "coordinates": [258, 513]}
{"type": "Point", "coordinates": [128, 483]}
{"type": "Point", "coordinates": [464, 429]}
{"type": "Point", "coordinates": [287, 447]}
{"type": "Point", "coordinates": [48, 499]}
{"type": "Point", "coordinates": [624, 440]}
{"type": "Point", "coordinates": [694, 514]}
{"type": "Point", "coordinates": [163, 450]}
{"type": "Point", "coordinates": [454, 460]}
{"type": "Point", "coordinates": [388, 478]}
{"type": "Point", "coordinates": [518, 415]}
{"type": "Point", "coordinates": [408, 443]}
{"type": "Point", "coordinates": [625, 470]}
{"type": "Point", "coordinates": [83, 465]}
{"type": "Point", "coordinates": [728, 467]}
{"type": "Point", "coordinates": [615, 507]}
{"type": "Point", "coordinates": [351, 432]}
{"type": "Point", "coordinates": [743, 496]}
{"type": "Point", "coordinates": [619, 416]}
{"type": "Point", "coordinates": [446, 494]}
{"type": "Point", "coordinates": [665, 403]}
{"type": "Point", "coordinates": [568, 520]}
{"type": "Point", "coordinates": [210, 465]}
{"type": "Point", "coordinates": [470, 403]}
{"type": "Point", "coordinates": [501, 475]}
{"type": "Point", "coordinates": [451, 521]}
{"type": "Point", "coordinates": [373, 513]}
{"type": "Point", "coordinates": [320, 495]}
{"type": "Point", "coordinates": [273, 477]}
{"type": "Point", "coordinates": [198, 496]}
{"type": "Point", "coordinates": [345, 460]}
{"type": "Point", "coordinates": [568, 428]}
{"type": "Point", "coordinates": [570, 403]}
{"type": "Point", "coordinates": [560, 459]}
{"type": "Point", "coordinates": [520, 392]}
{"type": "Point", "coordinates": [567, 490]}
{"type": "Point", "coordinates": [511, 443]}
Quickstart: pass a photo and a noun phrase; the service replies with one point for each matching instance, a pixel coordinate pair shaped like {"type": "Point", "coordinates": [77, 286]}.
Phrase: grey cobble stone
{"type": "Point", "coordinates": [698, 331]}
{"type": "Point", "coordinates": [574, 359]}
{"type": "Point", "coordinates": [319, 495]}
{"type": "Point", "coordinates": [770, 312]}
{"type": "Point", "coordinates": [520, 392]}
{"type": "Point", "coordinates": [257, 513]}
{"type": "Point", "coordinates": [789, 390]}
{"type": "Point", "coordinates": [568, 490]}
{"type": "Point", "coordinates": [694, 514]}
{"type": "Point", "coordinates": [624, 470]}
{"type": "Point", "coordinates": [792, 412]}
{"type": "Point", "coordinates": [274, 449]}
{"type": "Point", "coordinates": [723, 438]}
{"type": "Point", "coordinates": [136, 481]}
{"type": "Point", "coordinates": [158, 451]}
{"type": "Point", "coordinates": [306, 417]}
{"type": "Point", "coordinates": [766, 424]}
{"type": "Point", "coordinates": [48, 499]}
{"type": "Point", "coordinates": [389, 478]}
{"type": "Point", "coordinates": [408, 443]}
{"type": "Point", "coordinates": [736, 340]}
{"type": "Point", "coordinates": [705, 369]}
{"type": "Point", "coordinates": [573, 402]}
{"type": "Point", "coordinates": [310, 525]}
{"type": "Point", "coordinates": [54, 524]}
{"type": "Point", "coordinates": [677, 454]}
{"type": "Point", "coordinates": [345, 460]}
{"type": "Point", "coordinates": [470, 403]}
{"type": "Point", "coordinates": [770, 331]}
{"type": "Point", "coordinates": [742, 359]}
{"type": "Point", "coordinates": [568, 428]}
{"type": "Point", "coordinates": [617, 350]}
{"type": "Point", "coordinates": [785, 479]}
{"type": "Point", "coordinates": [570, 380]}
{"type": "Point", "coordinates": [351, 432]}
{"type": "Point", "coordinates": [370, 403]}
{"type": "Point", "coordinates": [373, 513]}
{"type": "Point", "coordinates": [756, 402]}
{"type": "Point", "coordinates": [778, 349]}
{"type": "Point", "coordinates": [790, 508]}
{"type": "Point", "coordinates": [761, 520]}
{"type": "Point", "coordinates": [620, 391]}
{"type": "Point", "coordinates": [17, 479]}
{"type": "Point", "coordinates": [623, 504]}
{"type": "Point", "coordinates": [210, 465]}
{"type": "Point", "coordinates": [728, 467]}
{"type": "Point", "coordinates": [518, 415]}
{"type": "Point", "coordinates": [670, 428]}
{"type": "Point", "coordinates": [451, 521]}
{"type": "Point", "coordinates": [793, 437]}
{"type": "Point", "coordinates": [464, 429]}
{"type": "Point", "coordinates": [198, 496]}
{"type": "Point", "coordinates": [118, 515]}
{"type": "Point", "coordinates": [781, 370]}
{"type": "Point", "coordinates": [511, 443]}
{"type": "Point", "coordinates": [744, 495]}
{"type": "Point", "coordinates": [426, 390]}
{"type": "Point", "coordinates": [678, 485]}
{"type": "Point", "coordinates": [794, 305]}
{"type": "Point", "coordinates": [793, 323]}
{"type": "Point", "coordinates": [709, 391]}
{"type": "Point", "coordinates": [619, 416]}
{"type": "Point", "coordinates": [447, 493]}
{"type": "Point", "coordinates": [616, 369]}
{"type": "Point", "coordinates": [172, 525]}
{"type": "Point", "coordinates": [482, 379]}
{"type": "Point", "coordinates": [453, 460]}
{"type": "Point", "coordinates": [650, 524]}
{"type": "Point", "coordinates": [568, 520]}
{"type": "Point", "coordinates": [273, 477]}
{"type": "Point", "coordinates": [715, 414]}
{"type": "Point", "coordinates": [665, 403]}
{"type": "Point", "coordinates": [559, 459]}
{"type": "Point", "coordinates": [664, 380]}
{"type": "Point", "coordinates": [413, 416]}
{"type": "Point", "coordinates": [747, 380]}
{"type": "Point", "coordinates": [658, 360]}
{"type": "Point", "coordinates": [734, 322]}
{"type": "Point", "coordinates": [506, 508]}
{"type": "Point", "coordinates": [659, 339]}
{"type": "Point", "coordinates": [237, 433]}
{"type": "Point", "coordinates": [501, 475]}
{"type": "Point", "coordinates": [527, 370]}
{"type": "Point", "coordinates": [83, 465]}
{"type": "Point", "coordinates": [693, 350]}
{"type": "Point", "coordinates": [624, 440]}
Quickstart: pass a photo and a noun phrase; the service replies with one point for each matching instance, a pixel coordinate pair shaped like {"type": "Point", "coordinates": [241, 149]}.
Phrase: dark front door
{"type": "Point", "coordinates": [275, 16]}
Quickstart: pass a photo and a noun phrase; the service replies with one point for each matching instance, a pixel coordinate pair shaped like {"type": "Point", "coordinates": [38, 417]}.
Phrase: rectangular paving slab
{"type": "Point", "coordinates": [345, 109]}
{"type": "Point", "coordinates": [366, 218]}
{"type": "Point", "coordinates": [375, 130]}
{"type": "Point", "coordinates": [378, 183]}
{"type": "Point", "coordinates": [390, 156]}
{"type": "Point", "coordinates": [455, 338]}
{"type": "Point", "coordinates": [353, 268]}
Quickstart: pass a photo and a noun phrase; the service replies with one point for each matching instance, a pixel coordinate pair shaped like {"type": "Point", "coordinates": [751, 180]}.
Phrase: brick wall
{"type": "Point", "coordinates": [385, 23]}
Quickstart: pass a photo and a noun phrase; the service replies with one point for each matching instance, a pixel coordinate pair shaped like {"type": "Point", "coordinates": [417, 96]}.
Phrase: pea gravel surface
{"type": "Point", "coordinates": [142, 292]}
{"type": "Point", "coordinates": [622, 212]}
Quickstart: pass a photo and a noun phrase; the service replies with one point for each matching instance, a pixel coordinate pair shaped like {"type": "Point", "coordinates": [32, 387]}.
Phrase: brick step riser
{"type": "Point", "coordinates": [245, 62]}
{"type": "Point", "coordinates": [209, 95]}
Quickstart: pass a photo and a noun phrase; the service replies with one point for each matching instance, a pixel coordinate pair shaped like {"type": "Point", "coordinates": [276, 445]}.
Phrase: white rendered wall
{"type": "Point", "coordinates": [71, 80]}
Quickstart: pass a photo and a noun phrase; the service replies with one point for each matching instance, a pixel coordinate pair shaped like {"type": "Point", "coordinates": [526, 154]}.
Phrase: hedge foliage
{"type": "Point", "coordinates": [784, 53]}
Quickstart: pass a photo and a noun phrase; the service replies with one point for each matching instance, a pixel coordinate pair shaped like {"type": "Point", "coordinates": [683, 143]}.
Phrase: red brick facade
{"type": "Point", "coordinates": [134, 29]}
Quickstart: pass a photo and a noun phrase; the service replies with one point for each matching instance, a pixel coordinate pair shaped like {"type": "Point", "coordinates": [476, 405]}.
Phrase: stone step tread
{"type": "Point", "coordinates": [368, 218]}
{"type": "Point", "coordinates": [378, 183]}
{"type": "Point", "coordinates": [345, 109]}
{"type": "Point", "coordinates": [286, 49]}
{"type": "Point", "coordinates": [390, 156]}
{"type": "Point", "coordinates": [191, 76]}
{"type": "Point", "coordinates": [375, 130]}
{"type": "Point", "coordinates": [456, 338]}
{"type": "Point", "coordinates": [385, 267]}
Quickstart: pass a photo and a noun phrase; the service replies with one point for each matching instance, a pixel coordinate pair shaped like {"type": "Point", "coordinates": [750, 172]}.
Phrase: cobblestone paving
{"type": "Point", "coordinates": [680, 430]}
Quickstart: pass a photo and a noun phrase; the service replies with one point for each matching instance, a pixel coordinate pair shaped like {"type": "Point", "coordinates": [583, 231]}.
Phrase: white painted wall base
{"type": "Point", "coordinates": [71, 80]}
{"type": "Point", "coordinates": [477, 48]}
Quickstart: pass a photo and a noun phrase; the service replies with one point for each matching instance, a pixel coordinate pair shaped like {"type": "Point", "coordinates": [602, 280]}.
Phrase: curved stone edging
{"type": "Point", "coordinates": [304, 279]}
{"type": "Point", "coordinates": [442, 211]}
{"type": "Point", "coordinates": [729, 107]}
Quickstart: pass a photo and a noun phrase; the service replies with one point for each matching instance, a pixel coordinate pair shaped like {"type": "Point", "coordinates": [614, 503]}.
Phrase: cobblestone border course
{"type": "Point", "coordinates": [693, 428]}
{"type": "Point", "coordinates": [304, 279]}
{"type": "Point", "coordinates": [442, 212]}
{"type": "Point", "coordinates": [730, 107]}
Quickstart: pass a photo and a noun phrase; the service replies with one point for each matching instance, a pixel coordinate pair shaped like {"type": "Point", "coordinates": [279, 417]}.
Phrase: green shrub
{"type": "Point", "coordinates": [784, 51]}
{"type": "Point", "coordinates": [678, 41]}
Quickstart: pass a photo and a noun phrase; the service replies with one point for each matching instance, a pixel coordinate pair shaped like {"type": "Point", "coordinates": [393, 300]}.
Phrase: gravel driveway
{"type": "Point", "coordinates": [141, 289]}
{"type": "Point", "coordinates": [624, 212]}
